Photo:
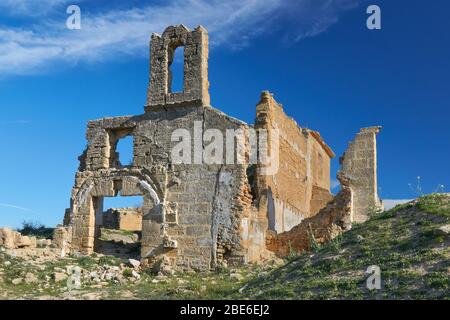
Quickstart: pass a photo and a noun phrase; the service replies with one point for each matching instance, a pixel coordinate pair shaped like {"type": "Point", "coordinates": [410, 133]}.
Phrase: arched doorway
{"type": "Point", "coordinates": [87, 210]}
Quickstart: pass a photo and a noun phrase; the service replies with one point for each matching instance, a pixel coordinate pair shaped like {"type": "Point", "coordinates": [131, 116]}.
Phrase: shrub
{"type": "Point", "coordinates": [36, 229]}
{"type": "Point", "coordinates": [315, 246]}
{"type": "Point", "coordinates": [86, 262]}
{"type": "Point", "coordinates": [293, 254]}
{"type": "Point", "coordinates": [374, 212]}
{"type": "Point", "coordinates": [336, 243]}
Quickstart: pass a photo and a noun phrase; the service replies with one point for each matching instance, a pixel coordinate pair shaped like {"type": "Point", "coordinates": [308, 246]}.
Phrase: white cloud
{"type": "Point", "coordinates": [127, 32]}
{"type": "Point", "coordinates": [29, 8]}
{"type": "Point", "coordinates": [308, 18]}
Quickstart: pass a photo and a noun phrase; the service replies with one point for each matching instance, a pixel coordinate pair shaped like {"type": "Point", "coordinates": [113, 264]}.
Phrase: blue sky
{"type": "Point", "coordinates": [328, 70]}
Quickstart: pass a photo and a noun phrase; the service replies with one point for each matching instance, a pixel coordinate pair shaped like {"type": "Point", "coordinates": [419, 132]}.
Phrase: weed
{"type": "Point", "coordinates": [127, 273]}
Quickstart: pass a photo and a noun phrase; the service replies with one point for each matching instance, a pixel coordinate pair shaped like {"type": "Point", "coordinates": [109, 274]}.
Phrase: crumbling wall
{"type": "Point", "coordinates": [359, 167]}
{"type": "Point", "coordinates": [11, 239]}
{"type": "Point", "coordinates": [241, 229]}
{"type": "Point", "coordinates": [129, 219]}
{"type": "Point", "coordinates": [320, 197]}
{"type": "Point", "coordinates": [300, 186]}
{"type": "Point", "coordinates": [358, 196]}
{"type": "Point", "coordinates": [332, 220]}
{"type": "Point", "coordinates": [195, 216]}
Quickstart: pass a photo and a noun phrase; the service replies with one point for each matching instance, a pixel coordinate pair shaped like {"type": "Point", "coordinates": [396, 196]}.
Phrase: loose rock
{"type": "Point", "coordinates": [31, 278]}
{"type": "Point", "coordinates": [134, 263]}
{"type": "Point", "coordinates": [59, 276]}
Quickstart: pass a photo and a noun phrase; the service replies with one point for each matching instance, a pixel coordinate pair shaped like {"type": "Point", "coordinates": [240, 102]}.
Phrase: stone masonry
{"type": "Point", "coordinates": [196, 83]}
{"type": "Point", "coordinates": [331, 221]}
{"type": "Point", "coordinates": [129, 219]}
{"type": "Point", "coordinates": [359, 167]}
{"type": "Point", "coordinates": [354, 203]}
{"type": "Point", "coordinates": [201, 214]}
{"type": "Point", "coordinates": [304, 162]}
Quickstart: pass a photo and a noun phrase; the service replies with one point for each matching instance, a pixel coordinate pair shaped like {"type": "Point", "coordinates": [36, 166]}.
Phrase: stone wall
{"type": "Point", "coordinates": [301, 185]}
{"type": "Point", "coordinates": [357, 198]}
{"type": "Point", "coordinates": [194, 214]}
{"type": "Point", "coordinates": [332, 220]}
{"type": "Point", "coordinates": [359, 167]}
{"type": "Point", "coordinates": [129, 219]}
{"type": "Point", "coordinates": [320, 197]}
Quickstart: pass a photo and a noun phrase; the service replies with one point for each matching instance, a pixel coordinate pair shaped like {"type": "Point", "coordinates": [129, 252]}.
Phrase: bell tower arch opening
{"type": "Point", "coordinates": [176, 69]}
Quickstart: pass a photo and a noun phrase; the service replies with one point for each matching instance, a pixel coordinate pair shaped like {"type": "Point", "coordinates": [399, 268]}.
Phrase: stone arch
{"type": "Point", "coordinates": [86, 202]}
{"type": "Point", "coordinates": [142, 181]}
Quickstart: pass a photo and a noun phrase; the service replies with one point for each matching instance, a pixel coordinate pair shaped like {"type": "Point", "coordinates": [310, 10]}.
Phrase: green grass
{"type": "Point", "coordinates": [414, 261]}
{"type": "Point", "coordinates": [438, 204]}
{"type": "Point", "coordinates": [110, 261]}
{"type": "Point", "coordinates": [86, 262]}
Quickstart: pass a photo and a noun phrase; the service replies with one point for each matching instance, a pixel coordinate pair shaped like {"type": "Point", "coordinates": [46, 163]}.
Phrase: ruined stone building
{"type": "Point", "coordinates": [204, 214]}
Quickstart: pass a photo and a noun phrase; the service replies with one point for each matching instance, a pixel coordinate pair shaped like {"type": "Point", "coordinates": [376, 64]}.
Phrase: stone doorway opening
{"type": "Point", "coordinates": [118, 226]}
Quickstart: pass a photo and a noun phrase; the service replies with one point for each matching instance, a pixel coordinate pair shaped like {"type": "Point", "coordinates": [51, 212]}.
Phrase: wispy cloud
{"type": "Point", "coordinates": [7, 205]}
{"type": "Point", "coordinates": [309, 18]}
{"type": "Point", "coordinates": [114, 33]}
{"type": "Point", "coordinates": [32, 8]}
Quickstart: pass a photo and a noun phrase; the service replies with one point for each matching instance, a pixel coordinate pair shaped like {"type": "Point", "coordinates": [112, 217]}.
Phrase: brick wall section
{"type": "Point", "coordinates": [298, 190]}
{"type": "Point", "coordinates": [129, 219]}
{"type": "Point", "coordinates": [320, 197]}
{"type": "Point", "coordinates": [359, 166]}
{"type": "Point", "coordinates": [332, 220]}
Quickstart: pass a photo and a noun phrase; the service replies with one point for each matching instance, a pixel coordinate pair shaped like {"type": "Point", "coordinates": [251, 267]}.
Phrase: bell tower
{"type": "Point", "coordinates": [195, 84]}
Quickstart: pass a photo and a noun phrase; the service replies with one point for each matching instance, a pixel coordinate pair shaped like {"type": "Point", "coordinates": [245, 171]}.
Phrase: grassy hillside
{"type": "Point", "coordinates": [406, 243]}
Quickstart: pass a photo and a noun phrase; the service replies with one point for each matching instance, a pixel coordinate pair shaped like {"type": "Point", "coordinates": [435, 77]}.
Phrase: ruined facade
{"type": "Point", "coordinates": [206, 211]}
{"type": "Point", "coordinates": [357, 199]}
{"type": "Point", "coordinates": [301, 185]}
